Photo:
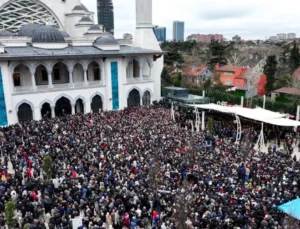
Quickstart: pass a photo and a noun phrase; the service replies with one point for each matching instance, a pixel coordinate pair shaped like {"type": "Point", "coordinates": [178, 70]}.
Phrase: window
{"type": "Point", "coordinates": [17, 79]}
{"type": "Point", "coordinates": [228, 73]}
{"type": "Point", "coordinates": [44, 74]}
{"type": "Point", "coordinates": [96, 74]}
{"type": "Point", "coordinates": [228, 82]}
{"type": "Point", "coordinates": [56, 74]}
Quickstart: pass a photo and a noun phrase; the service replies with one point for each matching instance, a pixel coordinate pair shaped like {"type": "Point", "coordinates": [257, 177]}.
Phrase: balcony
{"type": "Point", "coordinates": [144, 79]}
{"type": "Point", "coordinates": [57, 87]}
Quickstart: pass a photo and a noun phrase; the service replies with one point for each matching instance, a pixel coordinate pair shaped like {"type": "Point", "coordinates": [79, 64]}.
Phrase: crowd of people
{"type": "Point", "coordinates": [137, 168]}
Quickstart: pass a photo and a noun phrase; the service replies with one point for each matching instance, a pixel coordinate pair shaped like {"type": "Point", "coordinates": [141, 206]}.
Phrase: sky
{"type": "Point", "coordinates": [251, 19]}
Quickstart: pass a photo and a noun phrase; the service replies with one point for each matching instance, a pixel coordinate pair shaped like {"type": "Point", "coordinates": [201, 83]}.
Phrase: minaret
{"type": "Point", "coordinates": [144, 14]}
{"type": "Point", "coordinates": [145, 38]}
{"type": "Point", "coordinates": [144, 35]}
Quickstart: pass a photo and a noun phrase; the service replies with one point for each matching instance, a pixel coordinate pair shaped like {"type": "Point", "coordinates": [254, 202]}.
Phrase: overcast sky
{"type": "Point", "coordinates": [251, 19]}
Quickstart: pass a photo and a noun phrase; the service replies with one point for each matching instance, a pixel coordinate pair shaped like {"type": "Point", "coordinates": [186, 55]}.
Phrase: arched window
{"type": "Point", "coordinates": [133, 69]}
{"type": "Point", "coordinates": [46, 111]}
{"type": "Point", "coordinates": [96, 104]}
{"type": "Point", "coordinates": [63, 107]}
{"type": "Point", "coordinates": [134, 99]}
{"type": "Point", "coordinates": [25, 112]}
{"type": "Point", "coordinates": [21, 76]}
{"type": "Point", "coordinates": [146, 98]}
{"type": "Point", "coordinates": [41, 75]}
{"type": "Point", "coordinates": [94, 71]}
{"type": "Point", "coordinates": [60, 73]}
{"type": "Point", "coordinates": [78, 73]}
{"type": "Point", "coordinates": [79, 107]}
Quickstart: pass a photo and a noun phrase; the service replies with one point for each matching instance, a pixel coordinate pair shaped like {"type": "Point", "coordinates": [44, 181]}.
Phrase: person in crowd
{"type": "Point", "coordinates": [137, 168]}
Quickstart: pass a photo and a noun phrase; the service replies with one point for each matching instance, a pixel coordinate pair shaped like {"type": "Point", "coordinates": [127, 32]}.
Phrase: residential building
{"type": "Point", "coordinates": [232, 76]}
{"type": "Point", "coordinates": [160, 33]}
{"type": "Point", "coordinates": [197, 75]}
{"type": "Point", "coordinates": [236, 38]}
{"type": "Point", "coordinates": [205, 38]}
{"type": "Point", "coordinates": [105, 11]}
{"type": "Point", "coordinates": [281, 36]}
{"type": "Point", "coordinates": [47, 72]}
{"type": "Point", "coordinates": [178, 31]}
{"type": "Point", "coordinates": [291, 36]}
{"type": "Point", "coordinates": [284, 91]}
{"type": "Point", "coordinates": [174, 70]}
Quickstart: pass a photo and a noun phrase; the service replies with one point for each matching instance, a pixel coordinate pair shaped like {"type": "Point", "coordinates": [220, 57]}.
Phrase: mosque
{"type": "Point", "coordinates": [54, 60]}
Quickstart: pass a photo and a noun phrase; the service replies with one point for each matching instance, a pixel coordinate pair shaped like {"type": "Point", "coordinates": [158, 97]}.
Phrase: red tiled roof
{"type": "Point", "coordinates": [196, 71]}
{"type": "Point", "coordinates": [229, 68]}
{"type": "Point", "coordinates": [297, 73]}
{"type": "Point", "coordinates": [288, 90]}
{"type": "Point", "coordinates": [170, 69]}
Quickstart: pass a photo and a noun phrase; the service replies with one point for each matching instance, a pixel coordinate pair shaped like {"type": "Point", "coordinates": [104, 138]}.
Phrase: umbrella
{"type": "Point", "coordinates": [291, 208]}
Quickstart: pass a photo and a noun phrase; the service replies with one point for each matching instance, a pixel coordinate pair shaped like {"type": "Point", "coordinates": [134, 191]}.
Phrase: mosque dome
{"type": "Point", "coordinates": [5, 33]}
{"type": "Point", "coordinates": [28, 30]}
{"type": "Point", "coordinates": [78, 7]}
{"type": "Point", "coordinates": [65, 34]}
{"type": "Point", "coordinates": [109, 40]}
{"type": "Point", "coordinates": [48, 34]}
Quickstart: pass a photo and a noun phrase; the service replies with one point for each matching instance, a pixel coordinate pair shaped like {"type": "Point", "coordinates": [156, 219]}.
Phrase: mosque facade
{"type": "Point", "coordinates": [57, 61]}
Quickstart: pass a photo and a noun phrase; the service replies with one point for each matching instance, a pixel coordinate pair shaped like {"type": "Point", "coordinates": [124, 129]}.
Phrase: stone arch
{"type": "Point", "coordinates": [41, 74]}
{"type": "Point", "coordinates": [133, 68]}
{"type": "Point", "coordinates": [17, 77]}
{"type": "Point", "coordinates": [24, 101]}
{"type": "Point", "coordinates": [63, 95]}
{"type": "Point", "coordinates": [96, 73]}
{"type": "Point", "coordinates": [78, 74]}
{"type": "Point", "coordinates": [146, 98]}
{"type": "Point", "coordinates": [97, 93]}
{"type": "Point", "coordinates": [134, 98]}
{"type": "Point", "coordinates": [148, 89]}
{"type": "Point", "coordinates": [61, 72]}
{"type": "Point", "coordinates": [79, 97]}
{"type": "Point", "coordinates": [133, 87]}
{"type": "Point", "coordinates": [133, 58]}
{"type": "Point", "coordinates": [46, 101]}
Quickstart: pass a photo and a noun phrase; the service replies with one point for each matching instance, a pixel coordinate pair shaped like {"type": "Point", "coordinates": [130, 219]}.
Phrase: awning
{"type": "Point", "coordinates": [291, 208]}
{"type": "Point", "coordinates": [257, 114]}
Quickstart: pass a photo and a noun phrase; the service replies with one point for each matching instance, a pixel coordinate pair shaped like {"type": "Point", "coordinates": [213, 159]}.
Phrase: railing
{"type": "Point", "coordinates": [61, 86]}
{"type": "Point", "coordinates": [138, 79]}
{"type": "Point", "coordinates": [94, 83]}
{"type": "Point", "coordinates": [23, 89]}
{"type": "Point", "coordinates": [79, 84]}
{"type": "Point", "coordinates": [43, 88]}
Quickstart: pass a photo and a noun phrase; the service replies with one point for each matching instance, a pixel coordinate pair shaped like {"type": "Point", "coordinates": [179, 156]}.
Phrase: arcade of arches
{"type": "Point", "coordinates": [64, 106]}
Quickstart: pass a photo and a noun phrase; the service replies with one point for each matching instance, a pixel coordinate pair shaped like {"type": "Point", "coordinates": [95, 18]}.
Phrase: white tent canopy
{"type": "Point", "coordinates": [257, 114]}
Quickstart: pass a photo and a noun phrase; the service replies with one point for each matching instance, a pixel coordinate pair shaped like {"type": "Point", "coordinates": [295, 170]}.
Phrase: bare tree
{"type": "Point", "coordinates": [253, 77]}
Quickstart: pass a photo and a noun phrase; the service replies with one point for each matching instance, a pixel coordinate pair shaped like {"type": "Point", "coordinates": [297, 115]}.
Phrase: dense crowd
{"type": "Point", "coordinates": [137, 168]}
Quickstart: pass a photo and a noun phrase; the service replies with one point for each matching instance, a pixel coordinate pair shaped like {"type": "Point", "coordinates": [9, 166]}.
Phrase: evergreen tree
{"type": "Point", "coordinates": [48, 167]}
{"type": "Point", "coordinates": [219, 53]}
{"type": "Point", "coordinates": [165, 77]}
{"type": "Point", "coordinates": [294, 60]}
{"type": "Point", "coordinates": [270, 70]}
{"type": "Point", "coordinates": [10, 208]}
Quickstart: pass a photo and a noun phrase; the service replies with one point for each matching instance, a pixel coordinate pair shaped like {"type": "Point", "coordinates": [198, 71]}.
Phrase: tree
{"type": "Point", "coordinates": [48, 167]}
{"type": "Point", "coordinates": [210, 126]}
{"type": "Point", "coordinates": [165, 77]}
{"type": "Point", "coordinates": [283, 81]}
{"type": "Point", "coordinates": [208, 86]}
{"type": "Point", "coordinates": [218, 52]}
{"type": "Point", "coordinates": [10, 208]}
{"type": "Point", "coordinates": [294, 59]}
{"type": "Point", "coordinates": [270, 70]}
